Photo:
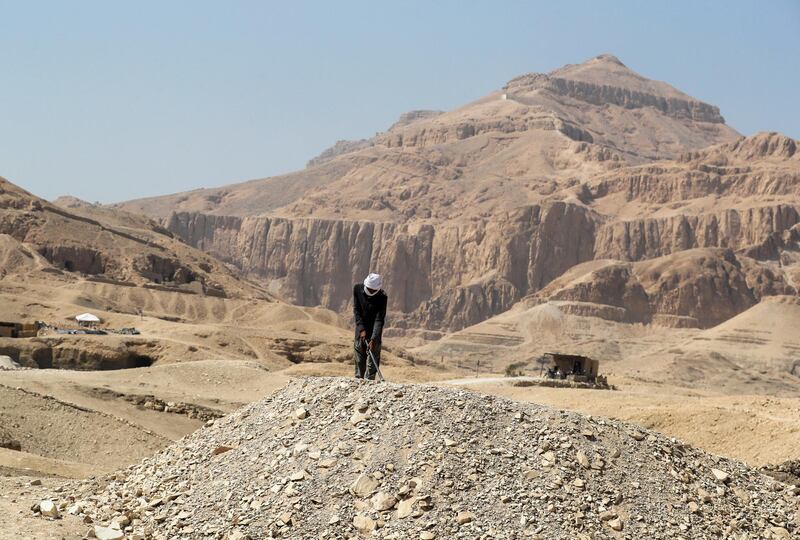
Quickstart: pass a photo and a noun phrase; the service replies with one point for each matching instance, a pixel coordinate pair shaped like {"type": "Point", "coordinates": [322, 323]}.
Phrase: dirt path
{"type": "Point", "coordinates": [470, 381]}
{"type": "Point", "coordinates": [32, 464]}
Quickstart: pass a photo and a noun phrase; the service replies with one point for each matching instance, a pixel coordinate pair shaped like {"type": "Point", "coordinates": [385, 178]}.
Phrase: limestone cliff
{"type": "Point", "coordinates": [692, 288]}
{"type": "Point", "coordinates": [645, 238]}
{"type": "Point", "coordinates": [448, 276]}
{"type": "Point", "coordinates": [39, 237]}
{"type": "Point", "coordinates": [440, 277]}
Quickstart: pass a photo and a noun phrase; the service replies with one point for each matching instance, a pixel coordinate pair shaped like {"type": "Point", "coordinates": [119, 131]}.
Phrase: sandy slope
{"type": "Point", "coordinates": [58, 430]}
{"type": "Point", "coordinates": [750, 354]}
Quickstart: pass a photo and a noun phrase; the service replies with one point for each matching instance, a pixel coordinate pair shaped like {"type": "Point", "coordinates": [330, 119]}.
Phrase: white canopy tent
{"type": "Point", "coordinates": [87, 319]}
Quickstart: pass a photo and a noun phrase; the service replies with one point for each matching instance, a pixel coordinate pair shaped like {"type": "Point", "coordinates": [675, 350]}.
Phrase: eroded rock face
{"type": "Point", "coordinates": [644, 238]}
{"type": "Point", "coordinates": [776, 245]}
{"type": "Point", "coordinates": [164, 270]}
{"type": "Point", "coordinates": [7, 441]}
{"type": "Point", "coordinates": [692, 288]}
{"type": "Point", "coordinates": [342, 147]}
{"type": "Point", "coordinates": [118, 248]}
{"type": "Point", "coordinates": [765, 144]}
{"type": "Point", "coordinates": [615, 285]}
{"type": "Point", "coordinates": [438, 276]}
{"type": "Point", "coordinates": [339, 148]}
{"type": "Point", "coordinates": [63, 353]}
{"type": "Point", "coordinates": [74, 258]}
{"type": "Point", "coordinates": [707, 285]}
{"type": "Point", "coordinates": [421, 136]}
{"type": "Point", "coordinates": [447, 277]}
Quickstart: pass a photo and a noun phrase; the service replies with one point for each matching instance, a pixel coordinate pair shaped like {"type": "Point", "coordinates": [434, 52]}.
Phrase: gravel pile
{"type": "Point", "coordinates": [332, 458]}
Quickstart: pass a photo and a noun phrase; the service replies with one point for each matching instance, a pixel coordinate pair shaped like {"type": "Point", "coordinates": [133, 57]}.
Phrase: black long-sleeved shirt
{"type": "Point", "coordinates": [369, 312]}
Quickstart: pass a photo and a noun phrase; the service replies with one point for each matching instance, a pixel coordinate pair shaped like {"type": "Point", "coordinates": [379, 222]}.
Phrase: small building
{"type": "Point", "coordinates": [572, 367]}
{"type": "Point", "coordinates": [87, 320]}
{"type": "Point", "coordinates": [8, 329]}
{"type": "Point", "coordinates": [18, 330]}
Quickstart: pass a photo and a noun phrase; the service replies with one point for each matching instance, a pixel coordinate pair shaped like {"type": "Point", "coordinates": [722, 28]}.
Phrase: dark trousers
{"type": "Point", "coordinates": [364, 368]}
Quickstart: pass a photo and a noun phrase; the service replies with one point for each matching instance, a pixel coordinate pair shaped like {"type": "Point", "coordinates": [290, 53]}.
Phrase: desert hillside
{"type": "Point", "coordinates": [160, 303]}
{"type": "Point", "coordinates": [468, 211]}
{"type": "Point", "coordinates": [126, 249]}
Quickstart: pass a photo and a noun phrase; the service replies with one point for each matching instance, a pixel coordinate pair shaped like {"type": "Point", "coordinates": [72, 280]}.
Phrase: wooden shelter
{"type": "Point", "coordinates": [573, 367]}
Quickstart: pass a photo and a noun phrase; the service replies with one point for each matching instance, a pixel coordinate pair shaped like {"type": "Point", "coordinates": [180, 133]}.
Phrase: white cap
{"type": "Point", "coordinates": [373, 281]}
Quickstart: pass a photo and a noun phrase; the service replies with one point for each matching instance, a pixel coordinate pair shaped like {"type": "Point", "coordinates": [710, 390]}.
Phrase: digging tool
{"type": "Point", "coordinates": [371, 358]}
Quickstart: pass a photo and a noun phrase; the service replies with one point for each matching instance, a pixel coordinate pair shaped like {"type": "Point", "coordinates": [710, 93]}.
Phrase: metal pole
{"type": "Point", "coordinates": [371, 358]}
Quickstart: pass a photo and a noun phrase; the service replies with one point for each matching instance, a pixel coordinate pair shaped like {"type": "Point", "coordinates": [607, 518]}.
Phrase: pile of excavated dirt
{"type": "Point", "coordinates": [333, 458]}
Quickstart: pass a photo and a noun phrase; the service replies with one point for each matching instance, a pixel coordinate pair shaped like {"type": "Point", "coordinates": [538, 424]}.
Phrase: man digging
{"type": "Point", "coordinates": [369, 311]}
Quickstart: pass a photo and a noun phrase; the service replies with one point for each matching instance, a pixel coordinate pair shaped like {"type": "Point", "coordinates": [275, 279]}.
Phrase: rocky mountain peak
{"type": "Point", "coordinates": [607, 58]}
{"type": "Point", "coordinates": [604, 80]}
{"type": "Point", "coordinates": [489, 202]}
{"type": "Point", "coordinates": [68, 201]}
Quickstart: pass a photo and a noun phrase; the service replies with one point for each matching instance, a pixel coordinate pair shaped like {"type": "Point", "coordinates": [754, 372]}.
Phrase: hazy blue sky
{"type": "Point", "coordinates": [116, 100]}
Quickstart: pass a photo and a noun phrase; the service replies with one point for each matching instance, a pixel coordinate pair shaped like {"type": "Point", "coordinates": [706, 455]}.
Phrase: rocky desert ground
{"type": "Point", "coordinates": [587, 211]}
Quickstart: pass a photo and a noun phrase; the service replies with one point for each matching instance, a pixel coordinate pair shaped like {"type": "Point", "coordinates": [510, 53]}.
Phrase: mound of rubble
{"type": "Point", "coordinates": [333, 458]}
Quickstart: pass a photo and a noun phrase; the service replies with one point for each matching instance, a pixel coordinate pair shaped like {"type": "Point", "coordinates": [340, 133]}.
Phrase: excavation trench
{"type": "Point", "coordinates": [77, 356]}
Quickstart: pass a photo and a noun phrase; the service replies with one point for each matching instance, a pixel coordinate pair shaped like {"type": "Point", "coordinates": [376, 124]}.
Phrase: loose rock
{"type": "Point", "coordinates": [465, 517]}
{"type": "Point", "coordinates": [107, 533]}
{"type": "Point", "coordinates": [48, 509]}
